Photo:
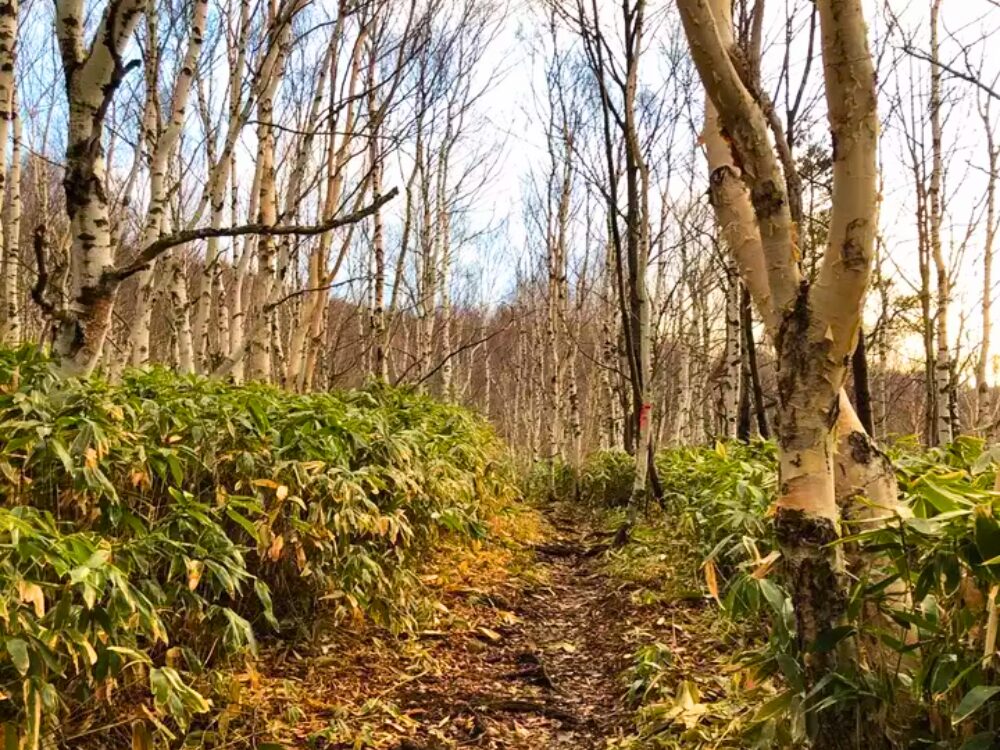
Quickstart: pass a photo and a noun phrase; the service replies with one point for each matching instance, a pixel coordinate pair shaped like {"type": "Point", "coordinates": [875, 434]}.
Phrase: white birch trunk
{"type": "Point", "coordinates": [12, 330]}
{"type": "Point", "coordinates": [9, 120]}
{"type": "Point", "coordinates": [163, 143]}
{"type": "Point", "coordinates": [92, 76]}
{"type": "Point", "coordinates": [942, 364]}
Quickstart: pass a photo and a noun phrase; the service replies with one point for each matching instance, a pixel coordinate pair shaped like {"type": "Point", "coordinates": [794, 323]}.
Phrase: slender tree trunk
{"type": "Point", "coordinates": [447, 366]}
{"type": "Point", "coordinates": [12, 246]}
{"type": "Point", "coordinates": [942, 366]}
{"type": "Point", "coordinates": [984, 405]}
{"type": "Point", "coordinates": [760, 409]}
{"type": "Point", "coordinates": [733, 354]}
{"type": "Point", "coordinates": [180, 310]}
{"type": "Point", "coordinates": [162, 141]}
{"type": "Point", "coordinates": [862, 385]}
{"type": "Point", "coordinates": [745, 424]}
{"type": "Point", "coordinates": [681, 423]}
{"type": "Point", "coordinates": [9, 120]}
{"type": "Point", "coordinates": [259, 359]}
{"type": "Point", "coordinates": [380, 366]}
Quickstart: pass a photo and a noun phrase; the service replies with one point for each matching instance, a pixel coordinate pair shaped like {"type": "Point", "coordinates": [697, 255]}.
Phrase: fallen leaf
{"type": "Point", "coordinates": [490, 635]}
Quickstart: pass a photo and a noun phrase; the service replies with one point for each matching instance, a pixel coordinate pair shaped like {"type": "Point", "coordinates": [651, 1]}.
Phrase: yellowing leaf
{"type": "Point", "coordinates": [194, 570]}
{"type": "Point", "coordinates": [766, 564]}
{"type": "Point", "coordinates": [31, 593]}
{"type": "Point", "coordinates": [712, 580]}
{"type": "Point", "coordinates": [277, 544]}
{"type": "Point", "coordinates": [265, 483]}
{"type": "Point", "coordinates": [89, 650]}
{"type": "Point", "coordinates": [490, 635]}
{"type": "Point", "coordinates": [282, 492]}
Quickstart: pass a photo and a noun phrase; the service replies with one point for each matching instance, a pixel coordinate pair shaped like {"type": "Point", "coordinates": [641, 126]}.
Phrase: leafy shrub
{"type": "Point", "coordinates": [606, 479]}
{"type": "Point", "coordinates": [937, 582]}
{"type": "Point", "coordinates": [150, 528]}
{"type": "Point", "coordinates": [928, 601]}
{"type": "Point", "coordinates": [720, 497]}
{"type": "Point", "coordinates": [550, 480]}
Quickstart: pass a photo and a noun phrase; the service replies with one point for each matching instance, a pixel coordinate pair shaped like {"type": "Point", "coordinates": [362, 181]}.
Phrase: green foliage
{"type": "Point", "coordinates": [923, 600]}
{"type": "Point", "coordinates": [550, 480]}
{"type": "Point", "coordinates": [150, 528]}
{"type": "Point", "coordinates": [720, 497]}
{"type": "Point", "coordinates": [606, 479]}
{"type": "Point", "coordinates": [647, 672]}
{"type": "Point", "coordinates": [934, 590]}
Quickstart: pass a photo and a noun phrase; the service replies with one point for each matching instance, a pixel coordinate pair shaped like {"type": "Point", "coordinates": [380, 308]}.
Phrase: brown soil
{"type": "Point", "coordinates": [529, 655]}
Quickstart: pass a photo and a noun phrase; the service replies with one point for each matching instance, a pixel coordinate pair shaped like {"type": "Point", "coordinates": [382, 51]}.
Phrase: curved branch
{"type": "Point", "coordinates": [160, 246]}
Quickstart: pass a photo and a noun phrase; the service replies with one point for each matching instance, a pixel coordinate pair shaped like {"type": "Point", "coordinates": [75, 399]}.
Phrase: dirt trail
{"type": "Point", "coordinates": [549, 679]}
{"type": "Point", "coordinates": [525, 659]}
{"type": "Point", "coordinates": [527, 652]}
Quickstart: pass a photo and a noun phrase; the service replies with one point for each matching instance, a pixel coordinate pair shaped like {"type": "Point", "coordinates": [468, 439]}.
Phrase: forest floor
{"type": "Point", "coordinates": [529, 649]}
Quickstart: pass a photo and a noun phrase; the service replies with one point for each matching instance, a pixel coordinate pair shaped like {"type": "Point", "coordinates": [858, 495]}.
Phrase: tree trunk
{"type": "Point", "coordinates": [862, 385]}
{"type": "Point", "coordinates": [814, 325]}
{"type": "Point", "coordinates": [92, 76]}
{"type": "Point", "coordinates": [744, 426]}
{"type": "Point", "coordinates": [942, 366]}
{"type": "Point", "coordinates": [733, 355]}
{"type": "Point", "coordinates": [162, 141]}
{"type": "Point", "coordinates": [984, 401]}
{"type": "Point", "coordinates": [181, 313]}
{"type": "Point", "coordinates": [9, 120]}
{"type": "Point", "coordinates": [12, 245]}
{"type": "Point", "coordinates": [760, 409]}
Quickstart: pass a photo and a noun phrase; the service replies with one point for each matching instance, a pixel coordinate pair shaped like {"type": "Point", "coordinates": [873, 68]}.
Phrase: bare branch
{"type": "Point", "coordinates": [966, 76]}
{"type": "Point", "coordinates": [160, 246]}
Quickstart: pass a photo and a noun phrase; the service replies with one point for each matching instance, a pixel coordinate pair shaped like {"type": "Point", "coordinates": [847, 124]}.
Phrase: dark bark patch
{"type": "Point", "coordinates": [854, 253]}
{"type": "Point", "coordinates": [833, 412]}
{"type": "Point", "coordinates": [862, 449]}
{"type": "Point", "coordinates": [795, 528]}
{"type": "Point", "coordinates": [768, 199]}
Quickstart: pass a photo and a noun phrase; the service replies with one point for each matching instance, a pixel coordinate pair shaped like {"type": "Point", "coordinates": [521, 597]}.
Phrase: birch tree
{"type": "Point", "coordinates": [983, 405]}
{"type": "Point", "coordinates": [9, 121]}
{"type": "Point", "coordinates": [815, 324]}
{"type": "Point", "coordinates": [944, 382]}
